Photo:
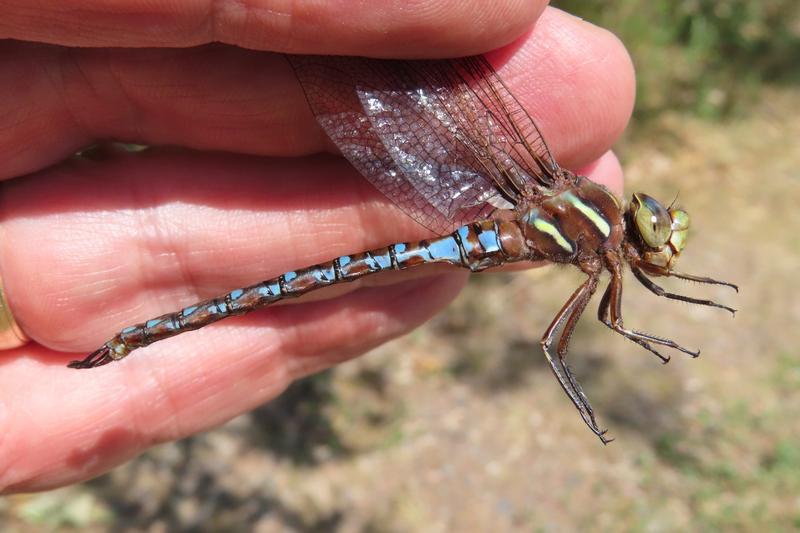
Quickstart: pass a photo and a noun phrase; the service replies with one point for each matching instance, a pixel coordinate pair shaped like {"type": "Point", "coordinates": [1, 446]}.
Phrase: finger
{"type": "Point", "coordinates": [606, 170]}
{"type": "Point", "coordinates": [61, 425]}
{"type": "Point", "coordinates": [343, 27]}
{"type": "Point", "coordinates": [574, 78]}
{"type": "Point", "coordinates": [112, 256]}
{"type": "Point", "coordinates": [135, 236]}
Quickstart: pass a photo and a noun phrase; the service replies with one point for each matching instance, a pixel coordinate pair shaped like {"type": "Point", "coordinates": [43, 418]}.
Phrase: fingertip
{"type": "Point", "coordinates": [606, 170]}
{"type": "Point", "coordinates": [578, 81]}
{"type": "Point", "coordinates": [417, 29]}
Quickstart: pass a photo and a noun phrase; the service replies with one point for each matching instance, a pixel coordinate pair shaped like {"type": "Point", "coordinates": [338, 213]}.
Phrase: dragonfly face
{"type": "Point", "coordinates": [660, 233]}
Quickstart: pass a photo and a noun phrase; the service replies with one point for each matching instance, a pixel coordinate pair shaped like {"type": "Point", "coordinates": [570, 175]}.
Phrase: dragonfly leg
{"type": "Point", "coordinates": [659, 291]}
{"type": "Point", "coordinates": [603, 316]}
{"type": "Point", "coordinates": [700, 279]}
{"type": "Point", "coordinates": [568, 316]}
{"type": "Point", "coordinates": [610, 314]}
{"type": "Point", "coordinates": [564, 340]}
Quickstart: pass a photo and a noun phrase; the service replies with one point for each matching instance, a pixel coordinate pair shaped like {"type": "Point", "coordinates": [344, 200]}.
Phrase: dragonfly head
{"type": "Point", "coordinates": [660, 231]}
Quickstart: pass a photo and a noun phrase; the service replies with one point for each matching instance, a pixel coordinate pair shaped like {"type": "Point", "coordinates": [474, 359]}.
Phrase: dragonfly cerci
{"type": "Point", "coordinates": [448, 143]}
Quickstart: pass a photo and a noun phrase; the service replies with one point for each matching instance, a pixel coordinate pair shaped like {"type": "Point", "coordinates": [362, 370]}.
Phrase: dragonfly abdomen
{"type": "Point", "coordinates": [475, 246]}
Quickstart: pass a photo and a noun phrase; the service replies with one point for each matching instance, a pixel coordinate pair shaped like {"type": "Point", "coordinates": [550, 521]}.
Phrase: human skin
{"type": "Point", "coordinates": [88, 246]}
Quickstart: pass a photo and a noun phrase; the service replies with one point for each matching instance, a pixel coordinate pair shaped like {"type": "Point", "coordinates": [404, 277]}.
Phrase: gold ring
{"type": "Point", "coordinates": [11, 335]}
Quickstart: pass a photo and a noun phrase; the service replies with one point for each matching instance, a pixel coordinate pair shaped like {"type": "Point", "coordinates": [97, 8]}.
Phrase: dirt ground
{"type": "Point", "coordinates": [461, 427]}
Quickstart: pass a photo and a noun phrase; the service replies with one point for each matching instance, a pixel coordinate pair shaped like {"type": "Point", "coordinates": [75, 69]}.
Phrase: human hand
{"type": "Point", "coordinates": [90, 246]}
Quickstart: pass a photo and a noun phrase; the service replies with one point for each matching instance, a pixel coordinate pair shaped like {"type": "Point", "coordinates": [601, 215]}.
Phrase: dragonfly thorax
{"type": "Point", "coordinates": [584, 218]}
{"type": "Point", "coordinates": [658, 232]}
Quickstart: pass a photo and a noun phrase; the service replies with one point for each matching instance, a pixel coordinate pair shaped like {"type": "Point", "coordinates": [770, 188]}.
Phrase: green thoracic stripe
{"type": "Point", "coordinates": [550, 229]}
{"type": "Point", "coordinates": [596, 219]}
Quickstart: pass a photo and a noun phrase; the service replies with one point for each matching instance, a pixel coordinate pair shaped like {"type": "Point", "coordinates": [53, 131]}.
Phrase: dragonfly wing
{"type": "Point", "coordinates": [444, 140]}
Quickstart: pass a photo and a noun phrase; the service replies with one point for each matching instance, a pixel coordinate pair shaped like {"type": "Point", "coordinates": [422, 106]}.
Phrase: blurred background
{"type": "Point", "coordinates": [460, 426]}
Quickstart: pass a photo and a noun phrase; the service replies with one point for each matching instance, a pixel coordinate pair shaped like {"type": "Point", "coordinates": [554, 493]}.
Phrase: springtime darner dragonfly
{"type": "Point", "coordinates": [448, 143]}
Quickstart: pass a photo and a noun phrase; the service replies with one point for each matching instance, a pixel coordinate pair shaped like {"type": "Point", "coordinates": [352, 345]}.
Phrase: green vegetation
{"type": "Point", "coordinates": [706, 56]}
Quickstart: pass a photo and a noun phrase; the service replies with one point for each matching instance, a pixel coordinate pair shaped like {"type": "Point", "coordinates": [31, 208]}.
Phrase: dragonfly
{"type": "Point", "coordinates": [447, 142]}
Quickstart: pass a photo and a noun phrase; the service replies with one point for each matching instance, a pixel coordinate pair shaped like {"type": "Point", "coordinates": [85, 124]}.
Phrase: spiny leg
{"type": "Point", "coordinates": [643, 339]}
{"type": "Point", "coordinates": [571, 312]}
{"type": "Point", "coordinates": [659, 291]}
{"type": "Point", "coordinates": [612, 305]}
{"type": "Point", "coordinates": [701, 279]}
{"type": "Point", "coordinates": [566, 336]}
{"type": "Point", "coordinates": [602, 316]}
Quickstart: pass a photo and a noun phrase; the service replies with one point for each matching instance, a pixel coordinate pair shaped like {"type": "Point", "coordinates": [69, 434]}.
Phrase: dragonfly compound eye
{"type": "Point", "coordinates": [652, 220]}
{"type": "Point", "coordinates": [680, 229]}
